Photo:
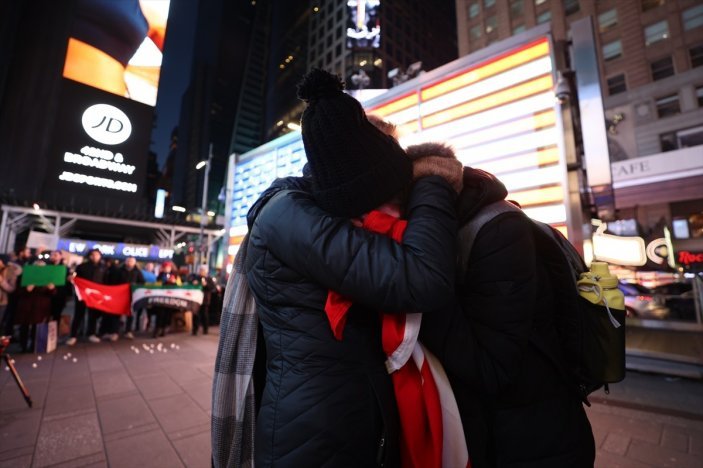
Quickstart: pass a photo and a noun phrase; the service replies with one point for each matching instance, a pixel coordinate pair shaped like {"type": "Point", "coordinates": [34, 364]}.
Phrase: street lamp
{"type": "Point", "coordinates": [203, 207]}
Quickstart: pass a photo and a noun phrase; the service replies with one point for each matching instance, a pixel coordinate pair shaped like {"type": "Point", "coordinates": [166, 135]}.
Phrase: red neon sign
{"type": "Point", "coordinates": [688, 258]}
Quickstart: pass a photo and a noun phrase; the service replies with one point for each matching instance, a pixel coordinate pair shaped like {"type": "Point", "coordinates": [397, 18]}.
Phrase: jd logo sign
{"type": "Point", "coordinates": [106, 124]}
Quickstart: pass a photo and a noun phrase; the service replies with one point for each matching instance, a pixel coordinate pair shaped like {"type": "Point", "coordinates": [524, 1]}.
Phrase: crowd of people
{"type": "Point", "coordinates": [22, 308]}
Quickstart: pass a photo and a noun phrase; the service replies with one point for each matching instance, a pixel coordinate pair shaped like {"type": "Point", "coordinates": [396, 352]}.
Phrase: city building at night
{"type": "Point", "coordinates": [361, 41]}
{"type": "Point", "coordinates": [650, 65]}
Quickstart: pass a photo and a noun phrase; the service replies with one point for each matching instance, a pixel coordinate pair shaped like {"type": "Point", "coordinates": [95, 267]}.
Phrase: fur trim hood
{"type": "Point", "coordinates": [430, 149]}
{"type": "Point", "coordinates": [480, 187]}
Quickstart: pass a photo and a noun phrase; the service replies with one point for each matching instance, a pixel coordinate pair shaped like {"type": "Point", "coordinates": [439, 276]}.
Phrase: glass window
{"type": "Point", "coordinates": [491, 24]}
{"type": "Point", "coordinates": [656, 32]}
{"type": "Point", "coordinates": [662, 68]}
{"type": "Point", "coordinates": [544, 17]}
{"type": "Point", "coordinates": [696, 54]}
{"type": "Point", "coordinates": [475, 32]}
{"type": "Point", "coordinates": [571, 7]}
{"type": "Point", "coordinates": [489, 3]}
{"type": "Point", "coordinates": [668, 105]}
{"type": "Point", "coordinates": [474, 9]}
{"type": "Point", "coordinates": [517, 8]}
{"type": "Point", "coordinates": [681, 139]}
{"type": "Point", "coordinates": [690, 137]}
{"type": "Point", "coordinates": [668, 142]}
{"type": "Point", "coordinates": [518, 29]}
{"type": "Point", "coordinates": [608, 20]}
{"type": "Point", "coordinates": [612, 50]}
{"type": "Point", "coordinates": [616, 84]}
{"type": "Point", "coordinates": [649, 4]}
{"type": "Point", "coordinates": [692, 18]}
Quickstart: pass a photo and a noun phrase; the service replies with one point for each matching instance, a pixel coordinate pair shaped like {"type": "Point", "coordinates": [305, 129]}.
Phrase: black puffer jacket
{"type": "Point", "coordinates": [516, 408]}
{"type": "Point", "coordinates": [327, 402]}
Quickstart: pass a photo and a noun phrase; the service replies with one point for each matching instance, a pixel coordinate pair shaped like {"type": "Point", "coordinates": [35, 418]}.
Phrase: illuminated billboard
{"type": "Point", "coordinates": [116, 46]}
{"type": "Point", "coordinates": [253, 173]}
{"type": "Point", "coordinates": [363, 24]}
{"type": "Point", "coordinates": [98, 149]}
{"type": "Point", "coordinates": [499, 115]}
{"type": "Point", "coordinates": [101, 136]}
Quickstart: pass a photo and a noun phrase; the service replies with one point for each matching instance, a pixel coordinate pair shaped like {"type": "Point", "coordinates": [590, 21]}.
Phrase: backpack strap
{"type": "Point", "coordinates": [469, 231]}
{"type": "Point", "coordinates": [549, 242]}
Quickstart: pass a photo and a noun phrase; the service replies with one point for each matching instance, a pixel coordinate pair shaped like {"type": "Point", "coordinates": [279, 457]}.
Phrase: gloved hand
{"type": "Point", "coordinates": [449, 168]}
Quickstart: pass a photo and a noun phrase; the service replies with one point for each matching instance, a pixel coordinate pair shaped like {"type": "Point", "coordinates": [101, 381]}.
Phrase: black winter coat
{"type": "Point", "coordinates": [122, 275]}
{"type": "Point", "coordinates": [516, 408]}
{"type": "Point", "coordinates": [92, 272]}
{"type": "Point", "coordinates": [326, 402]}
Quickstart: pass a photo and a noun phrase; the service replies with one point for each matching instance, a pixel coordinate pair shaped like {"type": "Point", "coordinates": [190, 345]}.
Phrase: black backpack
{"type": "Point", "coordinates": [591, 352]}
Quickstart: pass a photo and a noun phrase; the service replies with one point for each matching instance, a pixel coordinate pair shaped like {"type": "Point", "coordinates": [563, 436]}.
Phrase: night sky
{"type": "Point", "coordinates": [175, 73]}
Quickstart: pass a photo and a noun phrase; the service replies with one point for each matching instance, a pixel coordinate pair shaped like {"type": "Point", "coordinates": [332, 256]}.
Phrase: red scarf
{"type": "Point", "coordinates": [416, 392]}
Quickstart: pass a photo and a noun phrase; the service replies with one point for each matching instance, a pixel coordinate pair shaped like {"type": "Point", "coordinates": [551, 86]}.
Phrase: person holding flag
{"type": "Point", "coordinates": [163, 314]}
{"type": "Point", "coordinates": [110, 301]}
{"type": "Point", "coordinates": [94, 271]}
{"type": "Point", "coordinates": [130, 274]}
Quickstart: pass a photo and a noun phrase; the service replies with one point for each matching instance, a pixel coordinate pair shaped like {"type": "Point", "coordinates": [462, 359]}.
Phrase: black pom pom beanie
{"type": "Point", "coordinates": [354, 166]}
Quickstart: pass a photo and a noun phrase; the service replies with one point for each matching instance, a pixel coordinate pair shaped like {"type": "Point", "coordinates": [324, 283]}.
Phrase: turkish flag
{"type": "Point", "coordinates": [111, 299]}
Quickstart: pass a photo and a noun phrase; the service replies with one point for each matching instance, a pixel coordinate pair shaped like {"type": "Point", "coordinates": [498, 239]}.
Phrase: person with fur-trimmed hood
{"type": "Point", "coordinates": [516, 407]}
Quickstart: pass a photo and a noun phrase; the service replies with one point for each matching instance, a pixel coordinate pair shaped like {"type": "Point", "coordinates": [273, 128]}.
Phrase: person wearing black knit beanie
{"type": "Point", "coordinates": [328, 401]}
{"type": "Point", "coordinates": [355, 167]}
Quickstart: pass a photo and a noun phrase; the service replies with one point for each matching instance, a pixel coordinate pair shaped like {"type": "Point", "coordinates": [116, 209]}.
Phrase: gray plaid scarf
{"type": "Point", "coordinates": [233, 410]}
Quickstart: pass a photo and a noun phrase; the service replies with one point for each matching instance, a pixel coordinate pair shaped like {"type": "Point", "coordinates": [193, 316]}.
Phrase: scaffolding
{"type": "Point", "coordinates": [19, 219]}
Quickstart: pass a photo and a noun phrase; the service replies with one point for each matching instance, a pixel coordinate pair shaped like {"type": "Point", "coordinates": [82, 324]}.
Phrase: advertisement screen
{"type": "Point", "coordinates": [363, 24]}
{"type": "Point", "coordinates": [99, 148]}
{"type": "Point", "coordinates": [116, 46]}
{"type": "Point", "coordinates": [499, 115]}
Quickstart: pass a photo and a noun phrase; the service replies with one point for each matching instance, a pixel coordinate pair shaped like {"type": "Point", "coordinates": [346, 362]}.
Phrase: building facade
{"type": "Point", "coordinates": [650, 59]}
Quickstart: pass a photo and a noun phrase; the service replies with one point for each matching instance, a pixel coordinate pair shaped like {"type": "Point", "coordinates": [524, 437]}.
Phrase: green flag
{"type": "Point", "coordinates": [36, 275]}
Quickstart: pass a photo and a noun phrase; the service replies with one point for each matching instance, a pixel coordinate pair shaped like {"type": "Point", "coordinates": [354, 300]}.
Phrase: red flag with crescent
{"type": "Point", "coordinates": [106, 298]}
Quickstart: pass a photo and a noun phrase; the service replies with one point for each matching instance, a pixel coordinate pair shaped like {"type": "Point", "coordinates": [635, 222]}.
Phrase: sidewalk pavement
{"type": "Point", "coordinates": [106, 405]}
{"type": "Point", "coordinates": [114, 407]}
{"type": "Point", "coordinates": [629, 438]}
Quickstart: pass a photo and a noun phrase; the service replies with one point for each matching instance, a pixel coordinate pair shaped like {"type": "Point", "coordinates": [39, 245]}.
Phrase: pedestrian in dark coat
{"type": "Point", "coordinates": [59, 299]}
{"type": "Point", "coordinates": [33, 308]}
{"type": "Point", "coordinates": [209, 288]}
{"type": "Point", "coordinates": [167, 276]}
{"type": "Point", "coordinates": [92, 270]}
{"type": "Point", "coordinates": [328, 402]}
{"type": "Point", "coordinates": [127, 273]}
{"type": "Point", "coordinates": [516, 407]}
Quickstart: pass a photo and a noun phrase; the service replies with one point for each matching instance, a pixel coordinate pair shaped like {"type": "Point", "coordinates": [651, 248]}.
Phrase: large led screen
{"type": "Point", "coordinates": [116, 46]}
{"type": "Point", "coordinates": [363, 24]}
{"type": "Point", "coordinates": [499, 115]}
